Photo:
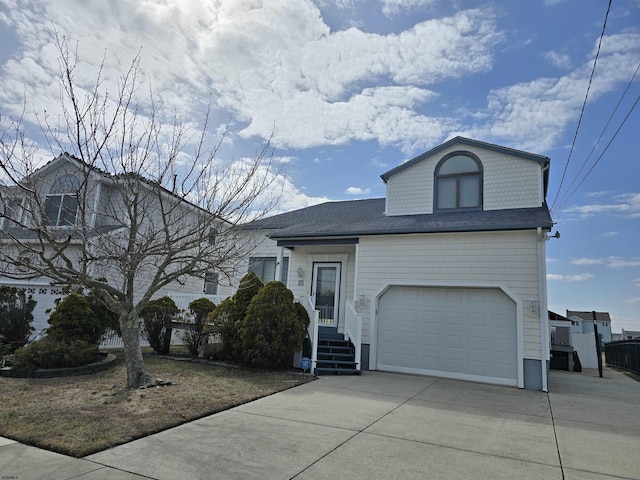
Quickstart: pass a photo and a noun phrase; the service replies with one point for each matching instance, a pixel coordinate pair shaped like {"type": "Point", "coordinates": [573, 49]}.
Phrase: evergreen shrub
{"type": "Point", "coordinates": [196, 333]}
{"type": "Point", "coordinates": [157, 317]}
{"type": "Point", "coordinates": [271, 331]}
{"type": "Point", "coordinates": [16, 315]}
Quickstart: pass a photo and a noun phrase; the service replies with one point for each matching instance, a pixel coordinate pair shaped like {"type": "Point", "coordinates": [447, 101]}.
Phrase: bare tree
{"type": "Point", "coordinates": [140, 205]}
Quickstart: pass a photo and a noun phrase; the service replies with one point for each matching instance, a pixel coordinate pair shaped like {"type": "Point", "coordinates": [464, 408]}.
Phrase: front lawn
{"type": "Point", "coordinates": [81, 415]}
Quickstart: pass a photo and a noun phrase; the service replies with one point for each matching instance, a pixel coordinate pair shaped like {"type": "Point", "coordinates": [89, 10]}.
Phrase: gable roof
{"type": "Point", "coordinates": [471, 143]}
{"type": "Point", "coordinates": [557, 317]}
{"type": "Point", "coordinates": [356, 218]}
{"type": "Point", "coordinates": [105, 176]}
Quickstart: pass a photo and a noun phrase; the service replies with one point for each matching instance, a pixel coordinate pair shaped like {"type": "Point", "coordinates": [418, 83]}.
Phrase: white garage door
{"type": "Point", "coordinates": [467, 333]}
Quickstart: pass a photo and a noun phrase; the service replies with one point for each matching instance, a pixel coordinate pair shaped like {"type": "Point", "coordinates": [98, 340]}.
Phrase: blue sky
{"type": "Point", "coordinates": [352, 88]}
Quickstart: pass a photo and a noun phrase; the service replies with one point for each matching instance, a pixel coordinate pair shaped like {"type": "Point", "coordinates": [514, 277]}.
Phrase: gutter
{"type": "Point", "coordinates": [543, 308]}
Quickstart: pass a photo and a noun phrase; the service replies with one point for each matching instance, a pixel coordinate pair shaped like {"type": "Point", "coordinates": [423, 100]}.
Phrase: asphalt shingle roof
{"type": "Point", "coordinates": [366, 217]}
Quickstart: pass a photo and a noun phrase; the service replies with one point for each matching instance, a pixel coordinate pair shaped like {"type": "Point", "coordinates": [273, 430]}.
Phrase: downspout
{"type": "Point", "coordinates": [543, 308]}
{"type": "Point", "coordinates": [355, 276]}
{"type": "Point", "coordinates": [278, 269]}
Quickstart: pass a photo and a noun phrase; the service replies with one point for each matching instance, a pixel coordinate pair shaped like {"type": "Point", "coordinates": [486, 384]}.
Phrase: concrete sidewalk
{"type": "Point", "coordinates": [383, 426]}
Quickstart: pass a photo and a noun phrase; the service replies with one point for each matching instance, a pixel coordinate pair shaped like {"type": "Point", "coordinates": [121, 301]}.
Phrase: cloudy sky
{"type": "Point", "coordinates": [352, 88]}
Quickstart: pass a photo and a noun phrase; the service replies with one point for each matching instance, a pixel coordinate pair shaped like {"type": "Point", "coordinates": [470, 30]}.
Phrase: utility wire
{"type": "Point", "coordinates": [607, 147]}
{"type": "Point", "coordinates": [565, 198]}
{"type": "Point", "coordinates": [584, 104]}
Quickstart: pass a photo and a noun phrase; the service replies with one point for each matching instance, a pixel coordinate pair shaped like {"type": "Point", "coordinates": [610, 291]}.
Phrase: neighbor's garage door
{"type": "Point", "coordinates": [455, 332]}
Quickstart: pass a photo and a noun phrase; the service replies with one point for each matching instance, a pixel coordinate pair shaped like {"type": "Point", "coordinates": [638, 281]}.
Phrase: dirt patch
{"type": "Point", "coordinates": [85, 414]}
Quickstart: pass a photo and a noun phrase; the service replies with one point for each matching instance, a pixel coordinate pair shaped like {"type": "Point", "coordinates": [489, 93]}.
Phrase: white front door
{"type": "Point", "coordinates": [326, 292]}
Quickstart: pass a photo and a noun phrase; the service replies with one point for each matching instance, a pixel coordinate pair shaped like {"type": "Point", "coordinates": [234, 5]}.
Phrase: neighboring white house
{"type": "Point", "coordinates": [58, 184]}
{"type": "Point", "coordinates": [445, 276]}
{"type": "Point", "coordinates": [630, 335]}
{"type": "Point", "coordinates": [582, 322]}
{"type": "Point", "coordinates": [565, 340]}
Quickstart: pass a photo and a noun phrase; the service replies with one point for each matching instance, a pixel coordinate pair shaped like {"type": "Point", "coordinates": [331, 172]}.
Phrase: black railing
{"type": "Point", "coordinates": [624, 354]}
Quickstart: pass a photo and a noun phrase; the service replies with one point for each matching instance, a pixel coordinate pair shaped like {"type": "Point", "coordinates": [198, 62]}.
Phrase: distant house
{"type": "Point", "coordinates": [444, 276]}
{"type": "Point", "coordinates": [630, 335]}
{"type": "Point", "coordinates": [566, 339]}
{"type": "Point", "coordinates": [583, 323]}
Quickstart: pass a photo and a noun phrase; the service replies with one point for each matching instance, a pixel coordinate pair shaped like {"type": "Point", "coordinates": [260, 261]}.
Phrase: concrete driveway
{"type": "Point", "coordinates": [385, 426]}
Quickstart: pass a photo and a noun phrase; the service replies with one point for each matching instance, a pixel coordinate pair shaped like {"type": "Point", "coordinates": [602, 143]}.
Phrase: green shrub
{"type": "Point", "coordinates": [195, 334]}
{"type": "Point", "coordinates": [50, 353]}
{"type": "Point", "coordinates": [16, 315]}
{"type": "Point", "coordinates": [72, 320]}
{"type": "Point", "coordinates": [213, 351]}
{"type": "Point", "coordinates": [225, 323]}
{"type": "Point", "coordinates": [302, 314]}
{"type": "Point", "coordinates": [271, 331]}
{"type": "Point", "coordinates": [229, 314]}
{"type": "Point", "coordinates": [249, 286]}
{"type": "Point", "coordinates": [157, 317]}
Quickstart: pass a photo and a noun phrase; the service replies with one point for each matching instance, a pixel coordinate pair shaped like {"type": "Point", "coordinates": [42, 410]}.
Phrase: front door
{"type": "Point", "coordinates": [326, 292]}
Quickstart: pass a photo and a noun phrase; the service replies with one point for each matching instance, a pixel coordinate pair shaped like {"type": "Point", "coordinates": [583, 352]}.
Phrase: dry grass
{"type": "Point", "coordinates": [81, 415]}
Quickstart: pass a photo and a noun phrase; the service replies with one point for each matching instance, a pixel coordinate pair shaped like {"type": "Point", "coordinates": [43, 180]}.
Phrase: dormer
{"type": "Point", "coordinates": [466, 175]}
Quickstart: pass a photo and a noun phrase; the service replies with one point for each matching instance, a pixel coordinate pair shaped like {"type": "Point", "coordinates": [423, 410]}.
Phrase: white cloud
{"type": "Point", "coordinates": [560, 60]}
{"type": "Point", "coordinates": [357, 191]}
{"type": "Point", "coordinates": [268, 63]}
{"type": "Point", "coordinates": [633, 301]}
{"type": "Point", "coordinates": [395, 7]}
{"type": "Point", "coordinates": [587, 261]}
{"type": "Point", "coordinates": [569, 278]}
{"type": "Point", "coordinates": [533, 115]}
{"type": "Point", "coordinates": [617, 262]}
{"type": "Point", "coordinates": [610, 262]}
{"type": "Point", "coordinates": [627, 204]}
{"type": "Point", "coordinates": [611, 234]}
{"type": "Point", "coordinates": [600, 193]}
{"type": "Point", "coordinates": [278, 65]}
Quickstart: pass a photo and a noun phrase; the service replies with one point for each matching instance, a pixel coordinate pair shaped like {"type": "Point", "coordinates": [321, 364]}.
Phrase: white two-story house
{"type": "Point", "coordinates": [445, 276]}
{"type": "Point", "coordinates": [85, 215]}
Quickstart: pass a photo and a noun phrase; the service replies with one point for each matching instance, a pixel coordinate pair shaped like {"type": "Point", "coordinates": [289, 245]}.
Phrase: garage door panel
{"type": "Point", "coordinates": [462, 331]}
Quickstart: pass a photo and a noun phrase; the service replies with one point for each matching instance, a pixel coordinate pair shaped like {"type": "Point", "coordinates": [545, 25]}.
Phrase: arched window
{"type": "Point", "coordinates": [61, 204]}
{"type": "Point", "coordinates": [458, 182]}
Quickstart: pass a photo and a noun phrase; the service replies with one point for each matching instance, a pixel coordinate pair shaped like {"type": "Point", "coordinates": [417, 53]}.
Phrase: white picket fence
{"type": "Point", "coordinates": [113, 340]}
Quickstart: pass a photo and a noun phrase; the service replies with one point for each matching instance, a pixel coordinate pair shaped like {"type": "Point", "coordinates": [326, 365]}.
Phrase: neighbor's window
{"type": "Point", "coordinates": [458, 182]}
{"type": "Point", "coordinates": [61, 204]}
{"type": "Point", "coordinates": [265, 268]}
{"type": "Point", "coordinates": [12, 211]}
{"type": "Point", "coordinates": [210, 283]}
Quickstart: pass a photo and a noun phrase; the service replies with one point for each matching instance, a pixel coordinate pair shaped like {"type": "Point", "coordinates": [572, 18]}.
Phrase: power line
{"type": "Point", "coordinates": [605, 148]}
{"type": "Point", "coordinates": [584, 104]}
{"type": "Point", "coordinates": [565, 198]}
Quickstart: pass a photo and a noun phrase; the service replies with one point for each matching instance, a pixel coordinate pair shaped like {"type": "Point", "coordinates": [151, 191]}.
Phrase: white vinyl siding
{"type": "Point", "coordinates": [508, 182]}
{"type": "Point", "coordinates": [501, 258]}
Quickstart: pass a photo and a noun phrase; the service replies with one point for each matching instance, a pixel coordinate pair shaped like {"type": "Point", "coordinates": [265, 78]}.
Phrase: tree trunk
{"type": "Point", "coordinates": [137, 374]}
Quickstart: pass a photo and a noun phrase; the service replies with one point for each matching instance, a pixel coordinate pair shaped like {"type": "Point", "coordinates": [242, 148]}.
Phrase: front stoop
{"type": "Point", "coordinates": [336, 356]}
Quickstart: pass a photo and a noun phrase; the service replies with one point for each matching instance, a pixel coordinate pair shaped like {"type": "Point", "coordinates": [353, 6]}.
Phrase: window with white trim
{"type": "Point", "coordinates": [265, 268]}
{"type": "Point", "coordinates": [458, 182]}
{"type": "Point", "coordinates": [210, 283]}
{"type": "Point", "coordinates": [11, 211]}
{"type": "Point", "coordinates": [61, 204]}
